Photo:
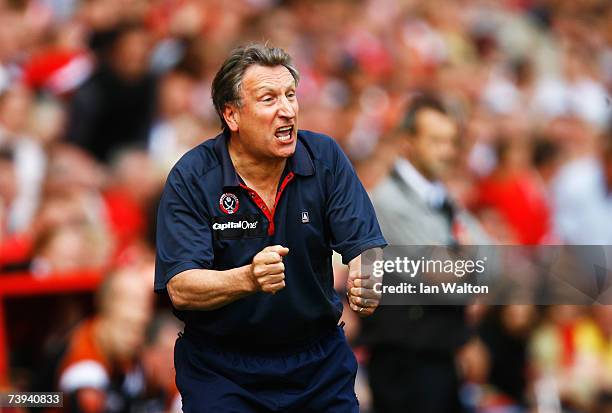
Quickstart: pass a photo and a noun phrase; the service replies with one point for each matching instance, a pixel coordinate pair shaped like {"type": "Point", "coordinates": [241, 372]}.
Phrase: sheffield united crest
{"type": "Point", "coordinates": [229, 203]}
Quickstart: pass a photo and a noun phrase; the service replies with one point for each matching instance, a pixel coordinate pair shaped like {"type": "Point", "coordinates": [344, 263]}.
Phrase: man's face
{"type": "Point", "coordinates": [158, 358]}
{"type": "Point", "coordinates": [126, 315]}
{"type": "Point", "coordinates": [266, 120]}
{"type": "Point", "coordinates": [126, 326]}
{"type": "Point", "coordinates": [131, 55]}
{"type": "Point", "coordinates": [434, 147]}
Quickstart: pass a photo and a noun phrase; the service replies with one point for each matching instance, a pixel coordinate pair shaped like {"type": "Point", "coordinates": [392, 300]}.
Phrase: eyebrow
{"type": "Point", "coordinates": [272, 89]}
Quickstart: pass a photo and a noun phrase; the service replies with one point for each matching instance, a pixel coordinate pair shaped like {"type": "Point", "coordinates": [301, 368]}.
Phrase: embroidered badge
{"type": "Point", "coordinates": [229, 203]}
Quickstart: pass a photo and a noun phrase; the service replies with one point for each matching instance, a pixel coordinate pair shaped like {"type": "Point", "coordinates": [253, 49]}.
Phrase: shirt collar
{"type": "Point", "coordinates": [300, 163]}
{"type": "Point", "coordinates": [432, 193]}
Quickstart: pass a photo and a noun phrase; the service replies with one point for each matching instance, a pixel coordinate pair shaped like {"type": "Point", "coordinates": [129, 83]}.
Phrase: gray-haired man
{"type": "Point", "coordinates": [246, 227]}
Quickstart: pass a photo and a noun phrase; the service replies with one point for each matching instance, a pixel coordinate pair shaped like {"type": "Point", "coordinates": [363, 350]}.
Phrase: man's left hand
{"type": "Point", "coordinates": [362, 297]}
{"type": "Point", "coordinates": [360, 288]}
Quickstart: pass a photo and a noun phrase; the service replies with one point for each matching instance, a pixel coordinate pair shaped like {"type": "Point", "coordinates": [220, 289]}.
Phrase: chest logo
{"type": "Point", "coordinates": [237, 227]}
{"type": "Point", "coordinates": [229, 203]}
{"type": "Point", "coordinates": [305, 218]}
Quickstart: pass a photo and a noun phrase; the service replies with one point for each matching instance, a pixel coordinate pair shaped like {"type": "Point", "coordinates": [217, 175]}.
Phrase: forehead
{"type": "Point", "coordinates": [261, 77]}
{"type": "Point", "coordinates": [432, 121]}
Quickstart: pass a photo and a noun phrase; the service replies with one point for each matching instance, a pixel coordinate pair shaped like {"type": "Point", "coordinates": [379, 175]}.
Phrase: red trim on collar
{"type": "Point", "coordinates": [262, 205]}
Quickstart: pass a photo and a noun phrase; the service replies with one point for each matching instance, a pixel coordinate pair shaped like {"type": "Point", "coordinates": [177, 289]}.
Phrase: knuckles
{"type": "Point", "coordinates": [268, 270]}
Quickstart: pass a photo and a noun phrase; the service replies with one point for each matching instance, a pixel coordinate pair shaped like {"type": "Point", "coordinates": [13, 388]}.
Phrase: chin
{"type": "Point", "coordinates": [286, 151]}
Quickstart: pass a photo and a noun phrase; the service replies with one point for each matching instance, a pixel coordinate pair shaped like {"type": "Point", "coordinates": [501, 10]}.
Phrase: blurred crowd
{"type": "Point", "coordinates": [99, 98]}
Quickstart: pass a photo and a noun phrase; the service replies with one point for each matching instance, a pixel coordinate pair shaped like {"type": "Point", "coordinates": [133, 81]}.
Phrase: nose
{"type": "Point", "coordinates": [286, 108]}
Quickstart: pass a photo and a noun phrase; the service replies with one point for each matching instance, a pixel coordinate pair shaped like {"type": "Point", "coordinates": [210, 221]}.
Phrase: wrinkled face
{"type": "Point", "coordinates": [266, 120]}
{"type": "Point", "coordinates": [434, 147]}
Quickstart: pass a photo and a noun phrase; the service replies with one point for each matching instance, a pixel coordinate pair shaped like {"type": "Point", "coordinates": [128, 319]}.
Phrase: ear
{"type": "Point", "coordinates": [231, 116]}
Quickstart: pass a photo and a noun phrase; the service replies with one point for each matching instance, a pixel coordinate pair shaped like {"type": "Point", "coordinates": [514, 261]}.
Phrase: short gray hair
{"type": "Point", "coordinates": [228, 80]}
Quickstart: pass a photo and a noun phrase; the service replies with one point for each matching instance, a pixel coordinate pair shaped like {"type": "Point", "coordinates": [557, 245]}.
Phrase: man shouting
{"type": "Point", "coordinates": [246, 228]}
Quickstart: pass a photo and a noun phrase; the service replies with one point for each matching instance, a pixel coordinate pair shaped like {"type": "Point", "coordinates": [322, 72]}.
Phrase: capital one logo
{"type": "Point", "coordinates": [235, 225]}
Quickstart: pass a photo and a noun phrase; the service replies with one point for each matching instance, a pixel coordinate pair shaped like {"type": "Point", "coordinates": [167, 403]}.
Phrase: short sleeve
{"type": "Point", "coordinates": [183, 238]}
{"type": "Point", "coordinates": [350, 214]}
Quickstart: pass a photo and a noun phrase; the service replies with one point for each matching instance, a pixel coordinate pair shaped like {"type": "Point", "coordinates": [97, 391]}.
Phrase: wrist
{"type": "Point", "coordinates": [250, 279]}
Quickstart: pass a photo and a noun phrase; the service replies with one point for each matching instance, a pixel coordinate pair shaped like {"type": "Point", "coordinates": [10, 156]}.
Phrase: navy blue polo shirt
{"type": "Point", "coordinates": [209, 219]}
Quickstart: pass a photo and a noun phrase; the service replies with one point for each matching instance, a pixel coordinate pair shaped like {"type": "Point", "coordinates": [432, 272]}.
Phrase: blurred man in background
{"type": "Point", "coordinates": [161, 394]}
{"type": "Point", "coordinates": [114, 108]}
{"type": "Point", "coordinates": [581, 190]}
{"type": "Point", "coordinates": [99, 371]}
{"type": "Point", "coordinates": [28, 155]}
{"type": "Point", "coordinates": [412, 364]}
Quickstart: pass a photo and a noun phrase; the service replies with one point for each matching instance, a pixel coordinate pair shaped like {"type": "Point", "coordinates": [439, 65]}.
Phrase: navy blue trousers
{"type": "Point", "coordinates": [318, 378]}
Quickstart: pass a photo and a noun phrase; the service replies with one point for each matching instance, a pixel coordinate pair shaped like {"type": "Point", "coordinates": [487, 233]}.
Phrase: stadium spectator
{"type": "Point", "coordinates": [132, 185]}
{"type": "Point", "coordinates": [161, 394]}
{"type": "Point", "coordinates": [29, 157]}
{"type": "Point", "coordinates": [177, 128]}
{"type": "Point", "coordinates": [413, 347]}
{"type": "Point", "coordinates": [581, 190]}
{"type": "Point", "coordinates": [567, 348]}
{"type": "Point", "coordinates": [99, 371]}
{"type": "Point", "coordinates": [114, 108]}
{"type": "Point", "coordinates": [505, 334]}
{"type": "Point", "coordinates": [515, 191]}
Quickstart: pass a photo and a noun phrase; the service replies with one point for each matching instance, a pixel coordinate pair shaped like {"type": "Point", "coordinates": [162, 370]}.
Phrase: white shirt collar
{"type": "Point", "coordinates": [432, 193]}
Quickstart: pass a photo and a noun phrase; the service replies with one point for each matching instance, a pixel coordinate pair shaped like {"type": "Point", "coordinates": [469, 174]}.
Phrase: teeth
{"type": "Point", "coordinates": [280, 133]}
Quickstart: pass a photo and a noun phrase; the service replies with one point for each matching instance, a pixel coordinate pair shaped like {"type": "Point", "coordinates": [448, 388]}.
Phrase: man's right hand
{"type": "Point", "coordinates": [268, 270]}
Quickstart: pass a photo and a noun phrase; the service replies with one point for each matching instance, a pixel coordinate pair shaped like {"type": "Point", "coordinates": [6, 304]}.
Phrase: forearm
{"type": "Point", "coordinates": [360, 267]}
{"type": "Point", "coordinates": [354, 268]}
{"type": "Point", "coordinates": [210, 289]}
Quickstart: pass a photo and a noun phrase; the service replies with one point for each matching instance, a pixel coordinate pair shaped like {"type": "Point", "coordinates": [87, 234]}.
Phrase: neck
{"type": "Point", "coordinates": [419, 168]}
{"type": "Point", "coordinates": [253, 169]}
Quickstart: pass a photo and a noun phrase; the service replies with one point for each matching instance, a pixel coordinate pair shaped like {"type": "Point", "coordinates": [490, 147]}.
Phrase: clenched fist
{"type": "Point", "coordinates": [360, 292]}
{"type": "Point", "coordinates": [268, 269]}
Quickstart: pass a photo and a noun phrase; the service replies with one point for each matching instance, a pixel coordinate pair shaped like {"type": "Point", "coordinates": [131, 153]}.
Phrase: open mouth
{"type": "Point", "coordinates": [284, 133]}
